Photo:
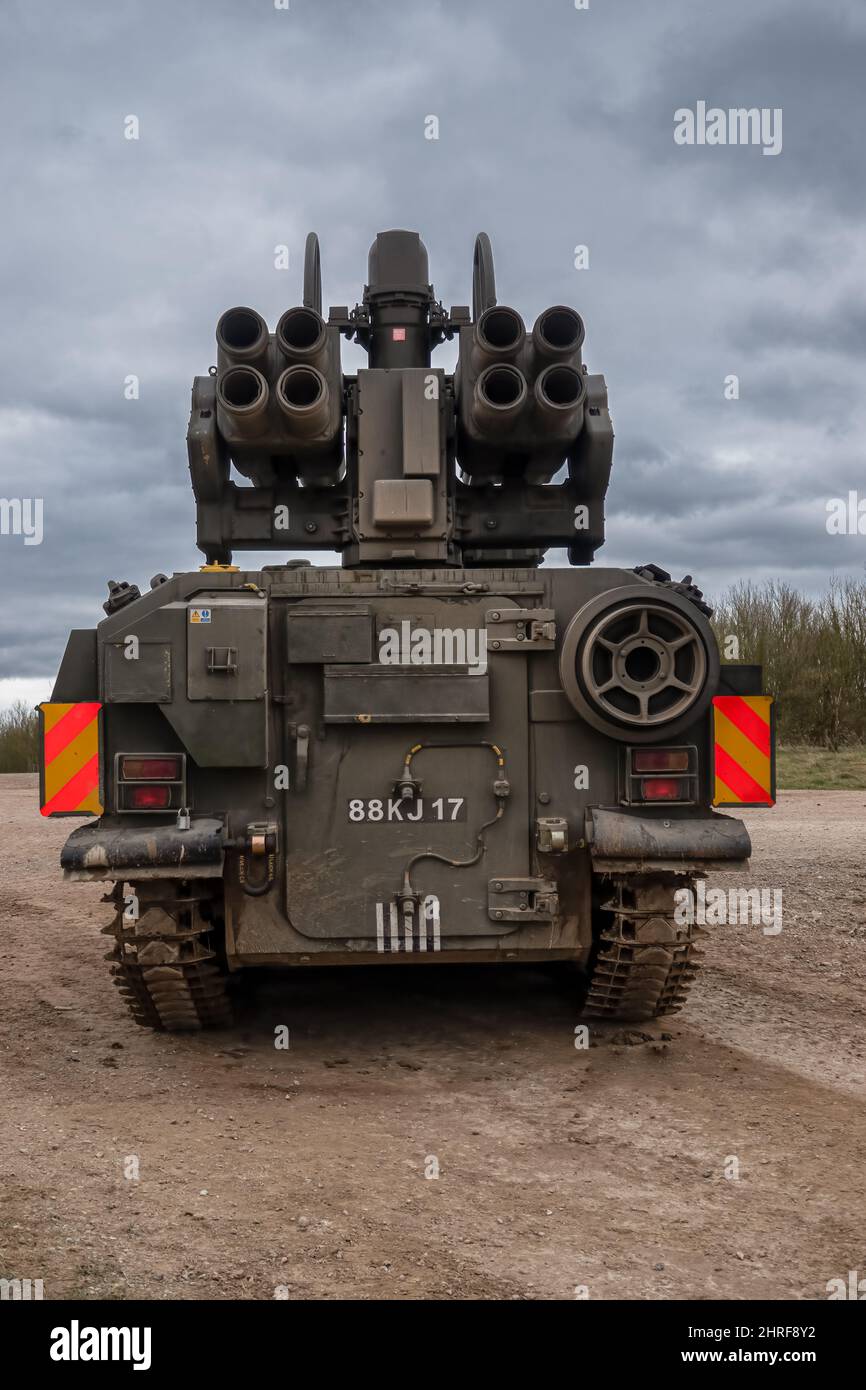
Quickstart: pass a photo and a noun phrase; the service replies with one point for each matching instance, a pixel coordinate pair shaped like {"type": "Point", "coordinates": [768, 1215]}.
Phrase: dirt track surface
{"type": "Point", "coordinates": [303, 1171]}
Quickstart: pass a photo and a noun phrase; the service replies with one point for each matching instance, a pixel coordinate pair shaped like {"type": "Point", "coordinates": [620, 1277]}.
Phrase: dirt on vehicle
{"type": "Point", "coordinates": [436, 1133]}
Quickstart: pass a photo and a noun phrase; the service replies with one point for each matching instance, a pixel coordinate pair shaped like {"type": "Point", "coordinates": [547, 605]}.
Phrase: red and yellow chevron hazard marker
{"type": "Point", "coordinates": [70, 759]}
{"type": "Point", "coordinates": [743, 750]}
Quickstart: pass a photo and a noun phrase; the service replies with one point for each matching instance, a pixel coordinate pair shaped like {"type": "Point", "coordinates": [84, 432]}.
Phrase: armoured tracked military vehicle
{"type": "Point", "coordinates": [439, 750]}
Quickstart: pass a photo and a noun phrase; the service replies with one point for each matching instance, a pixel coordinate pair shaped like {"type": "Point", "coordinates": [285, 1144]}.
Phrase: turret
{"type": "Point", "coordinates": [403, 463]}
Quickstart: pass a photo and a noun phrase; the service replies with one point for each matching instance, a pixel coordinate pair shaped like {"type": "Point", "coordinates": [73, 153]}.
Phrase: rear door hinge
{"type": "Point", "coordinates": [522, 900]}
{"type": "Point", "coordinates": [516, 629]}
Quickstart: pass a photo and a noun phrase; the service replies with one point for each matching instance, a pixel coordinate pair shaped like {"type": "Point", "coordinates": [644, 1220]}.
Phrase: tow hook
{"type": "Point", "coordinates": [257, 847]}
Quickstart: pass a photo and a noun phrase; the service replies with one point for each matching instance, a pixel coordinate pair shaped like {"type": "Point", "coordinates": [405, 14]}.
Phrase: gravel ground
{"type": "Point", "coordinates": [301, 1173]}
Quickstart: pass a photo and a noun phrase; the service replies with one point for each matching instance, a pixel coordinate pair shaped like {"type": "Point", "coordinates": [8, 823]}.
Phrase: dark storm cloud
{"type": "Point", "coordinates": [838, 329]}
{"type": "Point", "coordinates": [556, 129]}
{"type": "Point", "coordinates": [806, 59]}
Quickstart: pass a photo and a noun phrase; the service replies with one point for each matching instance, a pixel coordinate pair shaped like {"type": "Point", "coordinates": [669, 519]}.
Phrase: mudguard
{"type": "Point", "coordinates": [622, 842]}
{"type": "Point", "coordinates": [97, 851]}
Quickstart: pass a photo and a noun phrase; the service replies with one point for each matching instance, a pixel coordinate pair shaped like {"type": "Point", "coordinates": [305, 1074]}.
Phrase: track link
{"type": "Point", "coordinates": [167, 974]}
{"type": "Point", "coordinates": [179, 998]}
{"type": "Point", "coordinates": [645, 960]}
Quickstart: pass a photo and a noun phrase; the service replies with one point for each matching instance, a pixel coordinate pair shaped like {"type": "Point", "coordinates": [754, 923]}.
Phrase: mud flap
{"type": "Point", "coordinates": [156, 851]}
{"type": "Point", "coordinates": [622, 842]}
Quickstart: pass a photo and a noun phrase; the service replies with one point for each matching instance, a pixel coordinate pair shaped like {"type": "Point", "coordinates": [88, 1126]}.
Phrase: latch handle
{"type": "Point", "coordinates": [302, 756]}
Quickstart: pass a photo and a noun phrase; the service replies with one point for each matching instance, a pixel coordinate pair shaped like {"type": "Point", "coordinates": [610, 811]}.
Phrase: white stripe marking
{"type": "Point", "coordinates": [431, 914]}
{"type": "Point", "coordinates": [422, 927]}
{"type": "Point", "coordinates": [395, 929]}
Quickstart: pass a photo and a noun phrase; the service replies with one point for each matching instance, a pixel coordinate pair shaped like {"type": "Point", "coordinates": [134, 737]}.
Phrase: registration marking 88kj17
{"type": "Point", "coordinates": [390, 809]}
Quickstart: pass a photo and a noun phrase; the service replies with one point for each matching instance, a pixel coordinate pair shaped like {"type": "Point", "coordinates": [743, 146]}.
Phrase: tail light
{"type": "Point", "coordinates": [660, 759]}
{"type": "Point", "coordinates": [162, 769]}
{"type": "Point", "coordinates": [647, 775]}
{"type": "Point", "coordinates": [150, 781]}
{"type": "Point", "coordinates": [665, 788]}
{"type": "Point", "coordinates": [146, 798]}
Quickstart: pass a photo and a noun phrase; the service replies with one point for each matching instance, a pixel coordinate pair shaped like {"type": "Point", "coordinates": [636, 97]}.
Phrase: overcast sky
{"type": "Point", "coordinates": [556, 129]}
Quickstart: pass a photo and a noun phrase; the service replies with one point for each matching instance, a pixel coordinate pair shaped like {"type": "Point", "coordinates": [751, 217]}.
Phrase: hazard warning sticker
{"type": "Point", "coordinates": [743, 751]}
{"type": "Point", "coordinates": [199, 615]}
{"type": "Point", "coordinates": [69, 765]}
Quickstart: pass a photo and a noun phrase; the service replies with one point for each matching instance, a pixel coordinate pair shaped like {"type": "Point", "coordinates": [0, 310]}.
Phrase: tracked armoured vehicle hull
{"type": "Point", "coordinates": [441, 751]}
{"type": "Point", "coordinates": [385, 810]}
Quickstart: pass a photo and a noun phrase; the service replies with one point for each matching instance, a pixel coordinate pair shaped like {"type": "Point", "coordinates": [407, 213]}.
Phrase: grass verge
{"type": "Point", "coordinates": [800, 767]}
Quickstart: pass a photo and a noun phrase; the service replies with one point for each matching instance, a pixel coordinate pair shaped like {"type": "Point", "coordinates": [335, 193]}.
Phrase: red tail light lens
{"type": "Point", "coordinates": [150, 781]}
{"type": "Point", "coordinates": [641, 783]}
{"type": "Point", "coordinates": [150, 769]}
{"type": "Point", "coordinates": [660, 760]}
{"type": "Point", "coordinates": [664, 789]}
{"type": "Point", "coordinates": [149, 798]}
